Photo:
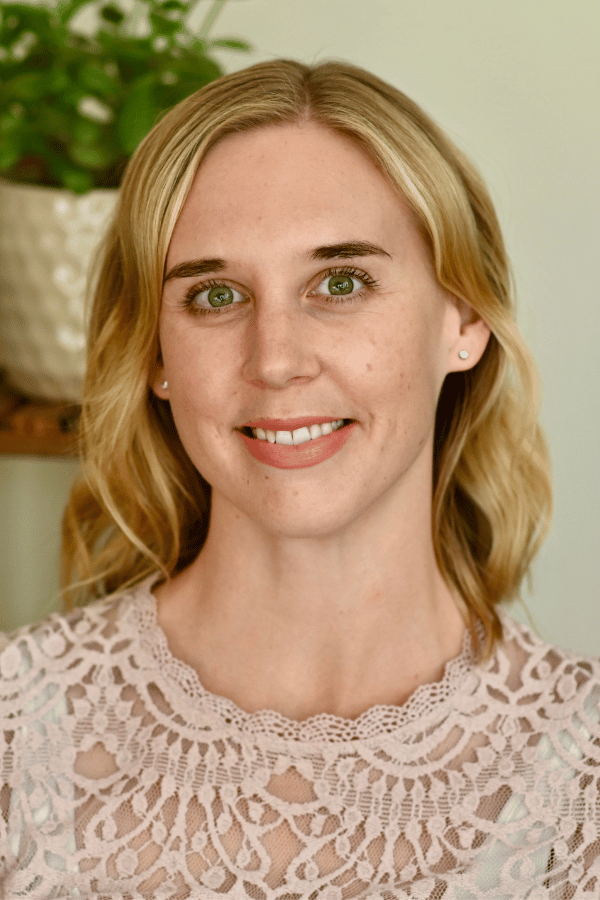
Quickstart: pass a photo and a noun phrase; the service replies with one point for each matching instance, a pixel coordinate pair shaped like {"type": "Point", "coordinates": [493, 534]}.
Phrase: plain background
{"type": "Point", "coordinates": [515, 83]}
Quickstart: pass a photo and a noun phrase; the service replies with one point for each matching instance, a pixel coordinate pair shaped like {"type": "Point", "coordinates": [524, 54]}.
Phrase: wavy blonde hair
{"type": "Point", "coordinates": [139, 505]}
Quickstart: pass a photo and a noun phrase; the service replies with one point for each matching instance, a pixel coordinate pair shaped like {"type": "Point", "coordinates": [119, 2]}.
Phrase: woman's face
{"type": "Point", "coordinates": [277, 345]}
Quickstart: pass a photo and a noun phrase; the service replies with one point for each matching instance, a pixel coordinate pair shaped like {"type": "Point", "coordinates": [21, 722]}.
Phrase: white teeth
{"type": "Point", "coordinates": [300, 436]}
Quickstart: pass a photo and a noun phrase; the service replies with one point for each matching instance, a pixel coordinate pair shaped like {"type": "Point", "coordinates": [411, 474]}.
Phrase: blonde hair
{"type": "Point", "coordinates": [140, 505]}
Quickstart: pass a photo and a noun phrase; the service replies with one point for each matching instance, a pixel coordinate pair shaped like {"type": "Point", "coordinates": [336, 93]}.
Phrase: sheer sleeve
{"type": "Point", "coordinates": [34, 801]}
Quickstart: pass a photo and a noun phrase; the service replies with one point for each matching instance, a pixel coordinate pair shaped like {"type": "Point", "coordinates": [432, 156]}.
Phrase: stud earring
{"type": "Point", "coordinates": [464, 354]}
{"type": "Point", "coordinates": [165, 385]}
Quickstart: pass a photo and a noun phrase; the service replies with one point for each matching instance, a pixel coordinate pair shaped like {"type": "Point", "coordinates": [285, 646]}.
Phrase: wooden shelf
{"type": "Point", "coordinates": [36, 427]}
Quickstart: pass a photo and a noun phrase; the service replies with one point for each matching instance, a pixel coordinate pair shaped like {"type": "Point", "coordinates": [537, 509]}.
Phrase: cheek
{"type": "Point", "coordinates": [398, 351]}
{"type": "Point", "coordinates": [191, 358]}
{"type": "Point", "coordinates": [202, 385]}
{"type": "Point", "coordinates": [405, 377]}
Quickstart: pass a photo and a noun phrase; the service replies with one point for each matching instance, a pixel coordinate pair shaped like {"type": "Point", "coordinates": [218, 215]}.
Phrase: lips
{"type": "Point", "coordinates": [299, 456]}
{"type": "Point", "coordinates": [291, 424]}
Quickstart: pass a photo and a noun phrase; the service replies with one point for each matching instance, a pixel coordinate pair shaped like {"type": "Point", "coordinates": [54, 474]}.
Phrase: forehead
{"type": "Point", "coordinates": [301, 176]}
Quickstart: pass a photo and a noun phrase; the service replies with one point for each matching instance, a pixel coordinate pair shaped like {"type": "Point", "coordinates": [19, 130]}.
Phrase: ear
{"type": "Point", "coordinates": [157, 386]}
{"type": "Point", "coordinates": [470, 333]}
{"type": "Point", "coordinates": [157, 377]}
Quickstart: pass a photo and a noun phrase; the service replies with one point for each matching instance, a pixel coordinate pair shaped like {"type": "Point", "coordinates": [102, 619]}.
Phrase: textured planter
{"type": "Point", "coordinates": [47, 238]}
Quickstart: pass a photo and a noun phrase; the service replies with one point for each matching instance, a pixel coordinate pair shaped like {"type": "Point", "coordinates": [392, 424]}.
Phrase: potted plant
{"type": "Point", "coordinates": [73, 107]}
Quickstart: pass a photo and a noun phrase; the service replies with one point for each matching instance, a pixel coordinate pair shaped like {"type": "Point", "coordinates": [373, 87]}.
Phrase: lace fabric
{"type": "Point", "coordinates": [122, 777]}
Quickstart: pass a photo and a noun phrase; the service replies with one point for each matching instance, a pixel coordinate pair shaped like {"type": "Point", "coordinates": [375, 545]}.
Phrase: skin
{"type": "Point", "coordinates": [317, 589]}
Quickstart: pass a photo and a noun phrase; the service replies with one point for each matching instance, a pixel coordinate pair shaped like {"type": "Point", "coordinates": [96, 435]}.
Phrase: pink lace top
{"type": "Point", "coordinates": [122, 777]}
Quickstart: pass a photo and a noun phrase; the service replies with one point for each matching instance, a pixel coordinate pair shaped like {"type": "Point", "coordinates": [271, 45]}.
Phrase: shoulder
{"type": "Point", "coordinates": [37, 655]}
{"type": "Point", "coordinates": [50, 638]}
{"type": "Point", "coordinates": [545, 662]}
{"type": "Point", "coordinates": [558, 688]}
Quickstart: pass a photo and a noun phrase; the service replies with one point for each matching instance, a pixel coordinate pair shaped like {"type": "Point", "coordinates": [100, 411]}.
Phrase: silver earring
{"type": "Point", "coordinates": [464, 354]}
{"type": "Point", "coordinates": [165, 385]}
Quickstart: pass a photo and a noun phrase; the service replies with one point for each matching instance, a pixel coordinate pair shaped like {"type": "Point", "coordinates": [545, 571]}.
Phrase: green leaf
{"type": "Point", "coordinates": [137, 115]}
{"type": "Point", "coordinates": [72, 96]}
{"type": "Point", "coordinates": [86, 132]}
{"type": "Point", "coordinates": [111, 13]}
{"type": "Point", "coordinates": [77, 181]}
{"type": "Point", "coordinates": [10, 123]}
{"type": "Point", "coordinates": [162, 26]}
{"type": "Point", "coordinates": [232, 44]}
{"type": "Point", "coordinates": [11, 27]}
{"type": "Point", "coordinates": [70, 176]}
{"type": "Point", "coordinates": [90, 157]}
{"type": "Point", "coordinates": [12, 16]}
{"type": "Point", "coordinates": [54, 121]}
{"type": "Point", "coordinates": [198, 70]}
{"type": "Point", "coordinates": [10, 151]}
{"type": "Point", "coordinates": [127, 50]}
{"type": "Point", "coordinates": [66, 9]}
{"type": "Point", "coordinates": [57, 82]}
{"type": "Point", "coordinates": [38, 19]}
{"type": "Point", "coordinates": [174, 6]}
{"type": "Point", "coordinates": [29, 86]}
{"type": "Point", "coordinates": [93, 76]}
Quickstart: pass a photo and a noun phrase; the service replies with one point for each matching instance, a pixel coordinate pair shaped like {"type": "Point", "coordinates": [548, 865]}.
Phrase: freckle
{"type": "Point", "coordinates": [369, 367]}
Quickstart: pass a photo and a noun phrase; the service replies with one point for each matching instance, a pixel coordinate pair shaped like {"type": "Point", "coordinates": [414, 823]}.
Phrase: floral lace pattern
{"type": "Point", "coordinates": [122, 777]}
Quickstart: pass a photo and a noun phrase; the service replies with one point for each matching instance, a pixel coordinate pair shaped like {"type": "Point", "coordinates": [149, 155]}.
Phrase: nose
{"type": "Point", "coordinates": [280, 344]}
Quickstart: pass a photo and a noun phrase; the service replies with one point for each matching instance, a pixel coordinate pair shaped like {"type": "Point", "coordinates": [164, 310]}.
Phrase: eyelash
{"type": "Point", "coordinates": [191, 295]}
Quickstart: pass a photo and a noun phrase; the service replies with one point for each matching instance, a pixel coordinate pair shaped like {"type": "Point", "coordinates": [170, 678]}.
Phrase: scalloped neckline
{"type": "Point", "coordinates": [428, 702]}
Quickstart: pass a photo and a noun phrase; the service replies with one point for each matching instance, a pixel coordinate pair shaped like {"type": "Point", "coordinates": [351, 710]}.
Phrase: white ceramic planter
{"type": "Point", "coordinates": [47, 238]}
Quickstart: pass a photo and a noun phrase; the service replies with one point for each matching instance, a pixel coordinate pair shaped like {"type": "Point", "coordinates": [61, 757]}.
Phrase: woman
{"type": "Point", "coordinates": [312, 475]}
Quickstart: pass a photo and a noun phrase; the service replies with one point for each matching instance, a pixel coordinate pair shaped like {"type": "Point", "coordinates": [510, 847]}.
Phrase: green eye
{"type": "Point", "coordinates": [342, 284]}
{"type": "Point", "coordinates": [220, 296]}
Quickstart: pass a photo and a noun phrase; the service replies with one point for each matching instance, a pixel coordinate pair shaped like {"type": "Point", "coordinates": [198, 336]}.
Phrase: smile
{"type": "Point", "coordinates": [302, 450]}
{"type": "Point", "coordinates": [299, 436]}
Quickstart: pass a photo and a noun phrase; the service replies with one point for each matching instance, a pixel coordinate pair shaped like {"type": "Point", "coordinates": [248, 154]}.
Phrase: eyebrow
{"type": "Point", "coordinates": [344, 250]}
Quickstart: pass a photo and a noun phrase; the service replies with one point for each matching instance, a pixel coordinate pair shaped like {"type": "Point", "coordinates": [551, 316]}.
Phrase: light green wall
{"type": "Point", "coordinates": [32, 496]}
{"type": "Point", "coordinates": [515, 83]}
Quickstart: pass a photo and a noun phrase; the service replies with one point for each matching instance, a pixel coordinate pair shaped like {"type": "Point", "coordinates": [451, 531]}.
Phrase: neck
{"type": "Point", "coordinates": [343, 622]}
